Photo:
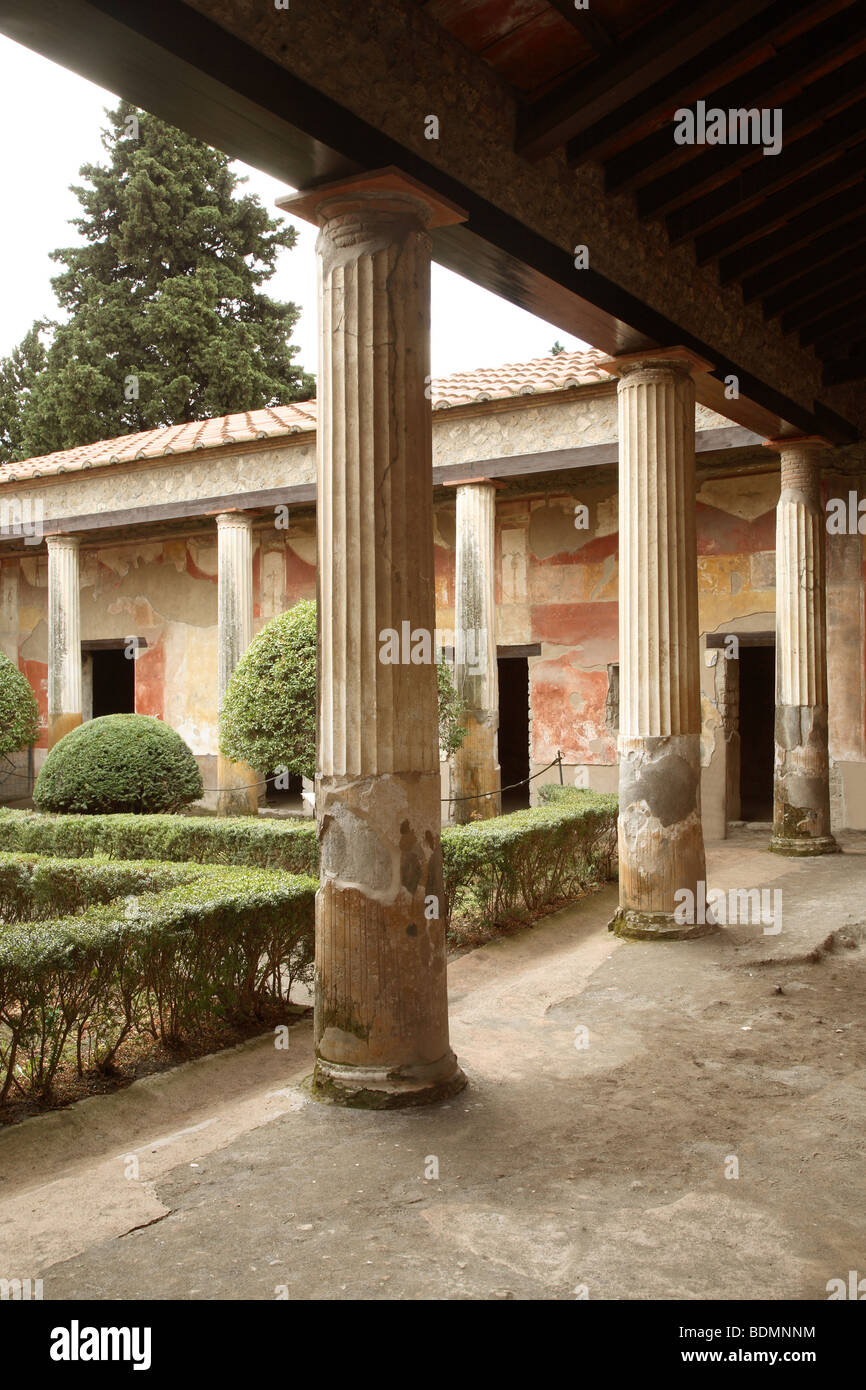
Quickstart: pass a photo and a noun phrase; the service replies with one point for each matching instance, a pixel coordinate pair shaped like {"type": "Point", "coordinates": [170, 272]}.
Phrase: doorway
{"type": "Point", "coordinates": [757, 666]}
{"type": "Point", "coordinates": [513, 672]}
{"type": "Point", "coordinates": [113, 675]}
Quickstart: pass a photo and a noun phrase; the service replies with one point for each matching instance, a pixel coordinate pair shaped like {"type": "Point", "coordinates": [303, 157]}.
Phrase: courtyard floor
{"type": "Point", "coordinates": [563, 1170]}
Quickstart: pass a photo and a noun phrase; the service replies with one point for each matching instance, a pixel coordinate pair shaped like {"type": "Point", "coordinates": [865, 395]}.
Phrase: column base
{"type": "Point", "coordinates": [804, 845]}
{"type": "Point", "coordinates": [633, 925]}
{"type": "Point", "coordinates": [381, 1088]}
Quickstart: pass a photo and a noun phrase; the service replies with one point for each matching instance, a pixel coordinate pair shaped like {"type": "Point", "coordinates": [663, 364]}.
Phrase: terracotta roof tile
{"type": "Point", "coordinates": [463, 388]}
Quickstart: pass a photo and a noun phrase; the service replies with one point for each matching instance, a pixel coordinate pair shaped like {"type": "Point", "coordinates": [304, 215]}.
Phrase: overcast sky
{"type": "Point", "coordinates": [51, 121]}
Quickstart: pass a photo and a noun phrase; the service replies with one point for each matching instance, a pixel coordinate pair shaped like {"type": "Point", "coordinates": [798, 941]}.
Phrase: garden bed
{"type": "Point", "coordinates": [507, 871]}
{"type": "Point", "coordinates": [125, 939]}
{"type": "Point", "coordinates": [139, 950]}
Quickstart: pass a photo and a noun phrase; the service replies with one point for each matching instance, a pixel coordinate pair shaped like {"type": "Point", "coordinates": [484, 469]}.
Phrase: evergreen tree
{"type": "Point", "coordinates": [166, 318]}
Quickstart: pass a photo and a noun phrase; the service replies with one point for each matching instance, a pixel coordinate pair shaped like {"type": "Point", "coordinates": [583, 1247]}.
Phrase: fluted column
{"type": "Point", "coordinates": [381, 1021]}
{"type": "Point", "coordinates": [661, 848]}
{"type": "Point", "coordinates": [238, 792]}
{"type": "Point", "coordinates": [64, 636]}
{"type": "Point", "coordinates": [476, 763]}
{"type": "Point", "coordinates": [801, 777]}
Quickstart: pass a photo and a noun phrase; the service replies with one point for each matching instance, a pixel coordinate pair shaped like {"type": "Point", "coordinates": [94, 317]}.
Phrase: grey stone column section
{"type": "Point", "coordinates": [476, 763]}
{"type": "Point", "coordinates": [64, 637]}
{"type": "Point", "coordinates": [238, 793]}
{"type": "Point", "coordinates": [801, 775]}
{"type": "Point", "coordinates": [661, 847]}
{"type": "Point", "coordinates": [381, 1017]}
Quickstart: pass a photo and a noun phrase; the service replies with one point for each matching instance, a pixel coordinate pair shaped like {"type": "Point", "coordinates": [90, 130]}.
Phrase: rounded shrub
{"type": "Point", "coordinates": [19, 713]}
{"type": "Point", "coordinates": [268, 717]}
{"type": "Point", "coordinates": [120, 762]}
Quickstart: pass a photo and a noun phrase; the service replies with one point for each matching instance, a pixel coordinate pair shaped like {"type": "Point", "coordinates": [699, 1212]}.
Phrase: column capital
{"type": "Point", "coordinates": [229, 519]}
{"type": "Point", "coordinates": [473, 482]}
{"type": "Point", "coordinates": [787, 442]}
{"type": "Point", "coordinates": [61, 541]}
{"type": "Point", "coordinates": [385, 190]}
{"type": "Point", "coordinates": [679, 360]}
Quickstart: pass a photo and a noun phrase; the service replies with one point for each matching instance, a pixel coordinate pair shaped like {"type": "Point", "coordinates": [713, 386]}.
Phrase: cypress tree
{"type": "Point", "coordinates": [166, 317]}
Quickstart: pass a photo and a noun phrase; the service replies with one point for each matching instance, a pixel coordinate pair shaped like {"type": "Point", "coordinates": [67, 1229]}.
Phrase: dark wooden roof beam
{"type": "Point", "coordinates": [746, 48]}
{"type": "Point", "coordinates": [817, 279]}
{"type": "Point", "coordinates": [823, 120]}
{"type": "Point", "coordinates": [803, 316]}
{"type": "Point", "coordinates": [588, 25]}
{"type": "Point", "coordinates": [807, 193]}
{"type": "Point", "coordinates": [781, 256]}
{"type": "Point", "coordinates": [844, 325]}
{"type": "Point", "coordinates": [637, 63]}
{"type": "Point", "coordinates": [815, 53]}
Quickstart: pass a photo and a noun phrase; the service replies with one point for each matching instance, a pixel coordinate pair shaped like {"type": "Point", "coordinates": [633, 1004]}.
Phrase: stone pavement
{"type": "Point", "coordinates": [612, 1087]}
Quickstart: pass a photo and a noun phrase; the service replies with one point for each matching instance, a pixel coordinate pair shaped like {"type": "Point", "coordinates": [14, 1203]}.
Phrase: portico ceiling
{"type": "Point", "coordinates": [556, 128]}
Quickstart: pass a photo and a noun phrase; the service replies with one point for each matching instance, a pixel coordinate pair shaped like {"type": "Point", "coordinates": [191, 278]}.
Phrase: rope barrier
{"type": "Point", "coordinates": [478, 796]}
{"type": "Point", "coordinates": [446, 800]}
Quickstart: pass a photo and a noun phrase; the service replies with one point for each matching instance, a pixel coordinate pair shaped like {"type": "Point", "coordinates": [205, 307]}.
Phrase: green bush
{"type": "Point", "coordinates": [268, 718]}
{"type": "Point", "coordinates": [189, 947]}
{"type": "Point", "coordinates": [121, 763]}
{"type": "Point", "coordinates": [19, 713]}
{"type": "Point", "coordinates": [265, 844]}
{"type": "Point", "coordinates": [518, 866]}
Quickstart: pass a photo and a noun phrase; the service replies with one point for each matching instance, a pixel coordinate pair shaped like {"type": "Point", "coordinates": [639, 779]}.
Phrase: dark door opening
{"type": "Point", "coordinates": [757, 667]}
{"type": "Point", "coordinates": [514, 730]}
{"type": "Point", "coordinates": [113, 682]}
{"type": "Point", "coordinates": [287, 793]}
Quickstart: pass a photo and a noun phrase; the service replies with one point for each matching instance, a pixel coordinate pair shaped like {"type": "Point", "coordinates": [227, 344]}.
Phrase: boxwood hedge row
{"type": "Point", "coordinates": [186, 946]}
{"type": "Point", "coordinates": [517, 866]}
{"type": "Point", "coordinates": [264, 844]}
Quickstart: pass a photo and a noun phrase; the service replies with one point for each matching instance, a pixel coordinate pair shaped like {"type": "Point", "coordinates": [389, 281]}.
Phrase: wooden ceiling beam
{"type": "Point", "coordinates": [679, 37]}
{"type": "Point", "coordinates": [597, 34]}
{"type": "Point", "coordinates": [809, 311]}
{"type": "Point", "coordinates": [830, 116]}
{"type": "Point", "coordinates": [782, 257]}
{"type": "Point", "coordinates": [816, 279]}
{"type": "Point", "coordinates": [818, 52]}
{"type": "Point", "coordinates": [744, 49]}
{"type": "Point", "coordinates": [846, 324]}
{"type": "Point", "coordinates": [804, 195]}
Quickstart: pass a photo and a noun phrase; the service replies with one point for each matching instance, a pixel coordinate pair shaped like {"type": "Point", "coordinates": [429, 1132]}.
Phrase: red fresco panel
{"type": "Point", "coordinates": [150, 681]}
{"type": "Point", "coordinates": [37, 674]}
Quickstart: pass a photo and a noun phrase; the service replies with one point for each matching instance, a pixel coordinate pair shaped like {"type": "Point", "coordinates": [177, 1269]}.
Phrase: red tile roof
{"type": "Point", "coordinates": [541, 375]}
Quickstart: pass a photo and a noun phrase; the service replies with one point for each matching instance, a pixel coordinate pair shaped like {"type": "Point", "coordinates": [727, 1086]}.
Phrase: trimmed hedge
{"type": "Point", "coordinates": [191, 946]}
{"type": "Point", "coordinates": [264, 844]}
{"type": "Point", "coordinates": [119, 763]}
{"type": "Point", "coordinates": [520, 865]}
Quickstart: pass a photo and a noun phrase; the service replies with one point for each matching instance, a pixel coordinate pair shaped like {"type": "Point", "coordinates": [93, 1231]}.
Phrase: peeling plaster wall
{"type": "Point", "coordinates": [557, 586]}
{"type": "Point", "coordinates": [164, 591]}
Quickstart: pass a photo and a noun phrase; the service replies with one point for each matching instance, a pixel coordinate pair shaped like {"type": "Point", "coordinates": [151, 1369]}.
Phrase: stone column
{"type": "Point", "coordinates": [381, 1024]}
{"type": "Point", "coordinates": [476, 763]}
{"type": "Point", "coordinates": [238, 794]}
{"type": "Point", "coordinates": [801, 777]}
{"type": "Point", "coordinates": [64, 637]}
{"type": "Point", "coordinates": [661, 847]}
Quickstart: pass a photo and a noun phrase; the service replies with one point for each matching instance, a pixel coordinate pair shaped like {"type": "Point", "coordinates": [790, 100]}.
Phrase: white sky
{"type": "Point", "coordinates": [51, 121]}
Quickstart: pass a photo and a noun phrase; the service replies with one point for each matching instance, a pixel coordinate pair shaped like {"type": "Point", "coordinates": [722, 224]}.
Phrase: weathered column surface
{"type": "Point", "coordinates": [381, 1022]}
{"type": "Point", "coordinates": [801, 777]}
{"type": "Point", "coordinates": [238, 794]}
{"type": "Point", "coordinates": [661, 848]}
{"type": "Point", "coordinates": [64, 636]}
{"type": "Point", "coordinates": [476, 763]}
